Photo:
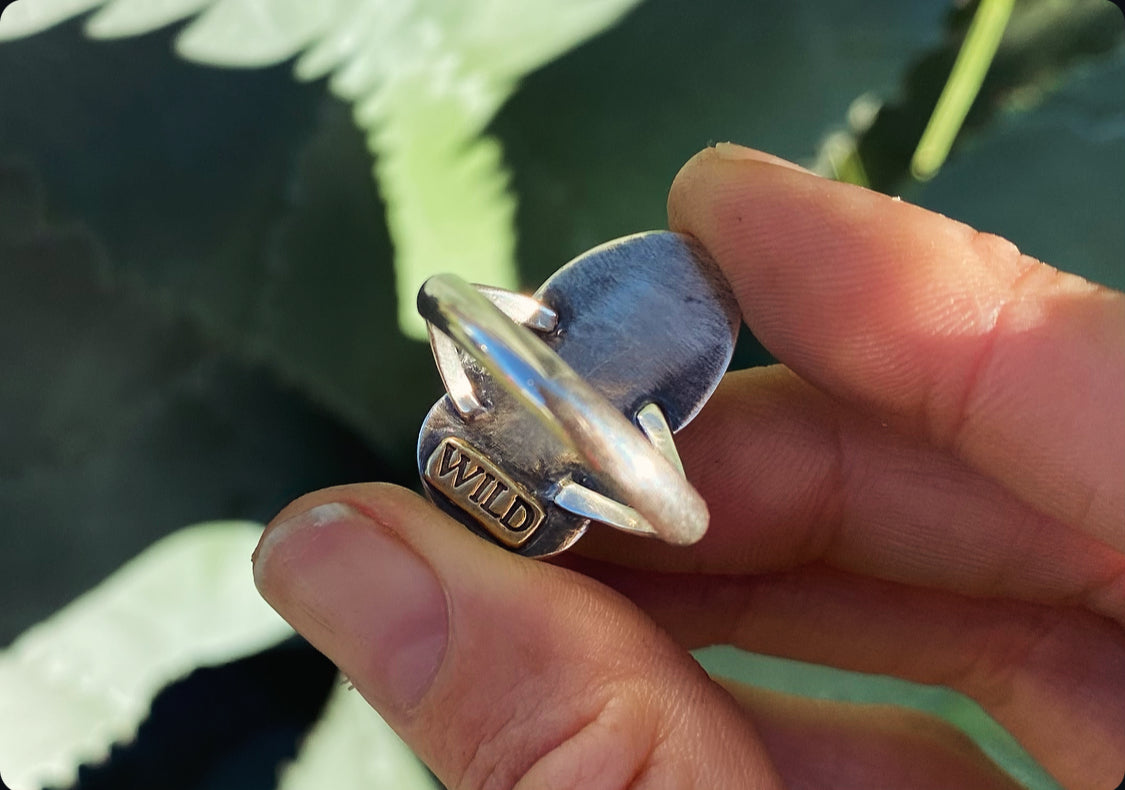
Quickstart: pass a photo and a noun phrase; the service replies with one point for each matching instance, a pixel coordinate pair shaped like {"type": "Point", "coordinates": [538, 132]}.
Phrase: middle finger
{"type": "Point", "coordinates": [792, 476]}
{"type": "Point", "coordinates": [1053, 676]}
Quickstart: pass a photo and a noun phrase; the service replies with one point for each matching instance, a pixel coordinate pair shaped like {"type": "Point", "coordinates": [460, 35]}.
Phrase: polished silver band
{"type": "Point", "coordinates": [639, 475]}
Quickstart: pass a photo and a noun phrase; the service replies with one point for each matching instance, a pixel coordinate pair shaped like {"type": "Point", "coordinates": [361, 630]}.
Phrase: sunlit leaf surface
{"type": "Point", "coordinates": [351, 748]}
{"type": "Point", "coordinates": [425, 77]}
{"type": "Point", "coordinates": [83, 680]}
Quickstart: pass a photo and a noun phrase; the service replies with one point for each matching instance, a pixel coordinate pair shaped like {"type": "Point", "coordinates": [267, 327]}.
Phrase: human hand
{"type": "Point", "coordinates": [932, 487]}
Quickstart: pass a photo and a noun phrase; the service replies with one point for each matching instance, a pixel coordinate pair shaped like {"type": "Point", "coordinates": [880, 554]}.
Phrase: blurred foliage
{"type": "Point", "coordinates": [351, 747]}
{"type": "Point", "coordinates": [1044, 42]}
{"type": "Point", "coordinates": [974, 59]}
{"type": "Point", "coordinates": [84, 679]}
{"type": "Point", "coordinates": [198, 316]}
{"type": "Point", "coordinates": [124, 419]}
{"type": "Point", "coordinates": [424, 76]}
{"type": "Point", "coordinates": [829, 683]}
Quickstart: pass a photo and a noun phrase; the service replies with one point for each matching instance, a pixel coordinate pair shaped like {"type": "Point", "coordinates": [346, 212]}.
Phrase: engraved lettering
{"type": "Point", "coordinates": [474, 483]}
{"type": "Point", "coordinates": [457, 468]}
{"type": "Point", "coordinates": [496, 492]}
{"type": "Point", "coordinates": [519, 507]}
{"type": "Point", "coordinates": [482, 489]}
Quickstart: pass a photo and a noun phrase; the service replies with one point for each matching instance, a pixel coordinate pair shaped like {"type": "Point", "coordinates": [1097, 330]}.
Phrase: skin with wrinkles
{"type": "Point", "coordinates": [931, 485]}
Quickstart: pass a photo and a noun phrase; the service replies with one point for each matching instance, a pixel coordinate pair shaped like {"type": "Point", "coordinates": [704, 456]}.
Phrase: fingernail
{"type": "Point", "coordinates": [735, 152]}
{"type": "Point", "coordinates": [359, 594]}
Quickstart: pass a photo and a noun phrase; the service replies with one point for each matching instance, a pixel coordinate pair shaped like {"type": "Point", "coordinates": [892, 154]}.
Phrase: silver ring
{"type": "Point", "coordinates": [616, 452]}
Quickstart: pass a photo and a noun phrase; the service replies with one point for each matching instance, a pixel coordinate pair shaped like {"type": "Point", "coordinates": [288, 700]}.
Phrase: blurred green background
{"type": "Point", "coordinates": [197, 318]}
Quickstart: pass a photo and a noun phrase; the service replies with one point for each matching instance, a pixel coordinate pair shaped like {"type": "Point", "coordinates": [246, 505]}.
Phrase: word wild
{"type": "Point", "coordinates": [502, 507]}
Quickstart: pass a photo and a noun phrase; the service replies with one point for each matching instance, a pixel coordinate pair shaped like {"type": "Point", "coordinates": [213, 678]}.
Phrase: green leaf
{"type": "Point", "coordinates": [123, 416]}
{"type": "Point", "coordinates": [425, 78]}
{"type": "Point", "coordinates": [1035, 159]}
{"type": "Point", "coordinates": [1050, 177]}
{"type": "Point", "coordinates": [821, 682]}
{"type": "Point", "coordinates": [1044, 43]}
{"type": "Point", "coordinates": [595, 138]}
{"type": "Point", "coordinates": [132, 17]}
{"type": "Point", "coordinates": [352, 748]}
{"type": "Point", "coordinates": [83, 680]}
{"type": "Point", "coordinates": [25, 19]}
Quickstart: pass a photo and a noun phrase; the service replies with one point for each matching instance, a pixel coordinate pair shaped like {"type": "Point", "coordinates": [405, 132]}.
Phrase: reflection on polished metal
{"type": "Point", "coordinates": [582, 501]}
{"type": "Point", "coordinates": [561, 406]}
{"type": "Point", "coordinates": [522, 309]}
{"type": "Point", "coordinates": [567, 406]}
{"type": "Point", "coordinates": [654, 425]}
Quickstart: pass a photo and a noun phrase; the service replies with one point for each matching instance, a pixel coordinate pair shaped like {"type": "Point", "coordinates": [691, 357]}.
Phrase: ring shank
{"type": "Point", "coordinates": [618, 454]}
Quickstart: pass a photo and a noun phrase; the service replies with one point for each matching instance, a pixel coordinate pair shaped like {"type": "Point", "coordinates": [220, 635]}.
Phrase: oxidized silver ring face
{"type": "Point", "coordinates": [561, 406]}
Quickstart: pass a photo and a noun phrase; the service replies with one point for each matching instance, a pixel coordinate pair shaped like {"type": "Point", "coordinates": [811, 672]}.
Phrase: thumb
{"type": "Point", "coordinates": [498, 671]}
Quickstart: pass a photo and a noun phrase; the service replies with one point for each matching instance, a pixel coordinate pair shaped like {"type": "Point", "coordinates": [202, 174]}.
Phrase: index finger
{"type": "Point", "coordinates": [949, 334]}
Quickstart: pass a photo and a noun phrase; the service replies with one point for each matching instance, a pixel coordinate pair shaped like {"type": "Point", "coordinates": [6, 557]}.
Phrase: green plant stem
{"type": "Point", "coordinates": [965, 80]}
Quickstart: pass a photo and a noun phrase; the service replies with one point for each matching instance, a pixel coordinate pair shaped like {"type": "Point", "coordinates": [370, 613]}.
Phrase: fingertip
{"type": "Point", "coordinates": [707, 170]}
{"type": "Point", "coordinates": [343, 576]}
{"type": "Point", "coordinates": [379, 496]}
